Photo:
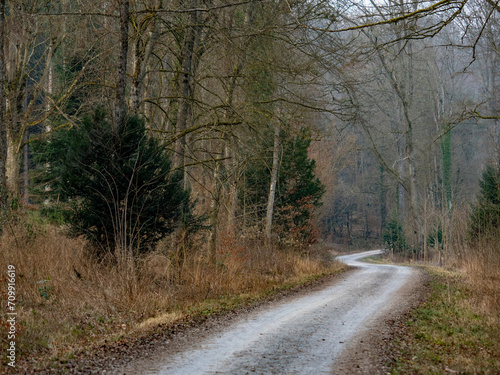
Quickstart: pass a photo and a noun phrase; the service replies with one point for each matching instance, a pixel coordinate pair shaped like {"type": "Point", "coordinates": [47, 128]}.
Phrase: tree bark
{"type": "Point", "coordinates": [185, 90]}
{"type": "Point", "coordinates": [26, 175]}
{"type": "Point", "coordinates": [121, 82]}
{"type": "Point", "coordinates": [494, 102]}
{"type": "Point", "coordinates": [383, 201]}
{"type": "Point", "coordinates": [401, 187]}
{"type": "Point", "coordinates": [140, 63]}
{"type": "Point", "coordinates": [447, 166]}
{"type": "Point", "coordinates": [272, 186]}
{"type": "Point", "coordinates": [233, 187]}
{"type": "Point", "coordinates": [12, 165]}
{"type": "Point", "coordinates": [214, 214]}
{"type": "Point", "coordinates": [230, 151]}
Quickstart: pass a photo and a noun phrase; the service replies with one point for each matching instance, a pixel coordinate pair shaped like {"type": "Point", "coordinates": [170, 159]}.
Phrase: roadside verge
{"type": "Point", "coordinates": [193, 320]}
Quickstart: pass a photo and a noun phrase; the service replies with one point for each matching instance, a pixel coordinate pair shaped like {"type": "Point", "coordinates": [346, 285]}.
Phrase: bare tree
{"type": "Point", "coordinates": [121, 81]}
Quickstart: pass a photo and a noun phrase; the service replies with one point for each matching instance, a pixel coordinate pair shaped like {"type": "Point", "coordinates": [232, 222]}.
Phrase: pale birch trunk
{"type": "Point", "coordinates": [272, 186]}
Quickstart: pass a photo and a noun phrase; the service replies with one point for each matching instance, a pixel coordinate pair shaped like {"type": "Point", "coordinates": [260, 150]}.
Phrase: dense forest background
{"type": "Point", "coordinates": [399, 117]}
{"type": "Point", "coordinates": [161, 139]}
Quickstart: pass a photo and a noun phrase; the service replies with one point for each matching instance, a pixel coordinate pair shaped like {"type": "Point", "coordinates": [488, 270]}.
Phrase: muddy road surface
{"type": "Point", "coordinates": [300, 335]}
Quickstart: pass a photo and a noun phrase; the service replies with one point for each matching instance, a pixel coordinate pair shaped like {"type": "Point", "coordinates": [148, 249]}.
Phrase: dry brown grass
{"type": "Point", "coordinates": [457, 328]}
{"type": "Point", "coordinates": [66, 301]}
{"type": "Point", "coordinates": [448, 333]}
{"type": "Point", "coordinates": [483, 272]}
{"type": "Point", "coordinates": [479, 260]}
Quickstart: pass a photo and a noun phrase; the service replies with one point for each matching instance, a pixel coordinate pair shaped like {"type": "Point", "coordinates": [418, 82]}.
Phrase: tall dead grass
{"type": "Point", "coordinates": [66, 300]}
{"type": "Point", "coordinates": [479, 260]}
{"type": "Point", "coordinates": [482, 266]}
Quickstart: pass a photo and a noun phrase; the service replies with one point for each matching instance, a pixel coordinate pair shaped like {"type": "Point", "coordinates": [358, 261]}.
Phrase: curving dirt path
{"type": "Point", "coordinates": [300, 335]}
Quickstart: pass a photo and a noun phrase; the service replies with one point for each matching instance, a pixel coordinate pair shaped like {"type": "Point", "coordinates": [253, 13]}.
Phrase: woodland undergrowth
{"type": "Point", "coordinates": [68, 301]}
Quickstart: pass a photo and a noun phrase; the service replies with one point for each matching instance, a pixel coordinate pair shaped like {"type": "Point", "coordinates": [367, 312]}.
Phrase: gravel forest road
{"type": "Point", "coordinates": [301, 335]}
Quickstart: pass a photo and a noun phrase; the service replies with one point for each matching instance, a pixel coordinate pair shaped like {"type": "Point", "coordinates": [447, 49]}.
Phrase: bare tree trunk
{"type": "Point", "coordinates": [401, 188]}
{"type": "Point", "coordinates": [185, 89]}
{"type": "Point", "coordinates": [14, 137]}
{"type": "Point", "coordinates": [214, 214]}
{"type": "Point", "coordinates": [13, 101]}
{"type": "Point", "coordinates": [49, 89]}
{"type": "Point", "coordinates": [400, 145]}
{"type": "Point", "coordinates": [140, 63]}
{"type": "Point", "coordinates": [25, 155]}
{"type": "Point", "coordinates": [383, 202]}
{"type": "Point", "coordinates": [403, 91]}
{"type": "Point", "coordinates": [494, 103]}
{"type": "Point", "coordinates": [184, 116]}
{"type": "Point", "coordinates": [397, 130]}
{"type": "Point", "coordinates": [411, 167]}
{"type": "Point", "coordinates": [274, 179]}
{"type": "Point", "coordinates": [233, 188]}
{"type": "Point", "coordinates": [121, 82]}
{"type": "Point", "coordinates": [230, 152]}
{"type": "Point", "coordinates": [26, 175]}
{"type": "Point", "coordinates": [348, 226]}
{"type": "Point", "coordinates": [12, 165]}
{"type": "Point", "coordinates": [404, 107]}
{"type": "Point", "coordinates": [412, 173]}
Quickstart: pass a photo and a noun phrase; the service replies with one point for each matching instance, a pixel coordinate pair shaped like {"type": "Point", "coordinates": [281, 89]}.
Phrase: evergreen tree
{"type": "Point", "coordinates": [119, 186]}
{"type": "Point", "coordinates": [393, 235]}
{"type": "Point", "coordinates": [298, 190]}
{"type": "Point", "coordinates": [298, 187]}
{"type": "Point", "coordinates": [485, 216]}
